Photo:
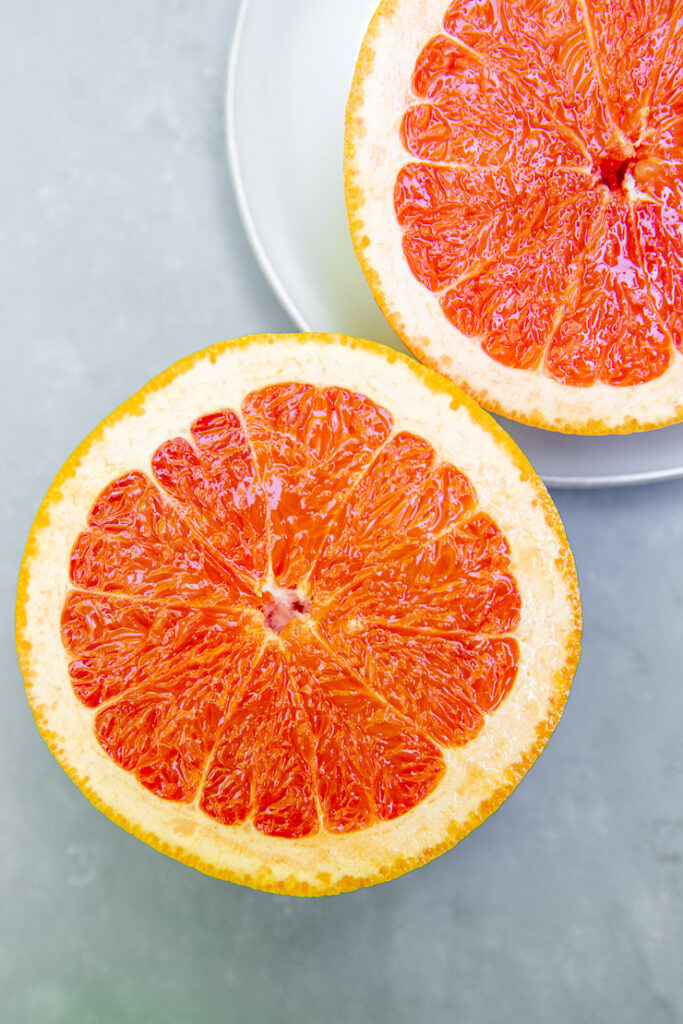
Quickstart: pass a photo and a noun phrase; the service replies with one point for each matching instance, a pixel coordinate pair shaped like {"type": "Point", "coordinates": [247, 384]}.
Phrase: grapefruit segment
{"type": "Point", "coordinates": [309, 446]}
{"type": "Point", "coordinates": [371, 763]}
{"type": "Point", "coordinates": [459, 222]}
{"type": "Point", "coordinates": [162, 678]}
{"type": "Point", "coordinates": [164, 734]}
{"type": "Point", "coordinates": [658, 214]}
{"type": "Point", "coordinates": [214, 481]}
{"type": "Point", "coordinates": [631, 37]}
{"type": "Point", "coordinates": [406, 498]}
{"type": "Point", "coordinates": [345, 697]}
{"type": "Point", "coordinates": [515, 313]}
{"type": "Point", "coordinates": [261, 765]}
{"type": "Point", "coordinates": [460, 581]}
{"type": "Point", "coordinates": [664, 134]}
{"type": "Point", "coordinates": [437, 243]}
{"type": "Point", "coordinates": [445, 684]}
{"type": "Point", "coordinates": [134, 536]}
{"type": "Point", "coordinates": [545, 49]}
{"type": "Point", "coordinates": [428, 135]}
{"type": "Point", "coordinates": [468, 105]}
{"type": "Point", "coordinates": [414, 553]}
{"type": "Point", "coordinates": [611, 332]}
{"type": "Point", "coordinates": [116, 643]}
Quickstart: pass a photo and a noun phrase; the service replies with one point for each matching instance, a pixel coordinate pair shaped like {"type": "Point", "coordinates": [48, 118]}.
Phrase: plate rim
{"type": "Point", "coordinates": [232, 152]}
{"type": "Point", "coordinates": [274, 280]}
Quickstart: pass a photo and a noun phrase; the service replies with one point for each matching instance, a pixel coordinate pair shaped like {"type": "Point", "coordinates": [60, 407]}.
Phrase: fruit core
{"type": "Point", "coordinates": [281, 605]}
{"type": "Point", "coordinates": [613, 171]}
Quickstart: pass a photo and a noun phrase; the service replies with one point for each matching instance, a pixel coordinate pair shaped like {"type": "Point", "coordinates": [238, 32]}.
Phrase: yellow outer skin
{"type": "Point", "coordinates": [29, 633]}
{"type": "Point", "coordinates": [545, 415]}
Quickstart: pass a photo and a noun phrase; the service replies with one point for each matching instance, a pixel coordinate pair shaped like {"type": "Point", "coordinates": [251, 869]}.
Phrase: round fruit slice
{"type": "Point", "coordinates": [515, 194]}
{"type": "Point", "coordinates": [298, 614]}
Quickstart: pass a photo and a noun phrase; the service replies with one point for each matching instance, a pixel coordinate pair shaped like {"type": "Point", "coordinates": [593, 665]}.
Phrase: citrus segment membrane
{"type": "Point", "coordinates": [293, 616]}
{"type": "Point", "coordinates": [530, 127]}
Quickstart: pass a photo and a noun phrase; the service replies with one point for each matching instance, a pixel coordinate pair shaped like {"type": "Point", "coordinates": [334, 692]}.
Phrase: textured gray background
{"type": "Point", "coordinates": [120, 251]}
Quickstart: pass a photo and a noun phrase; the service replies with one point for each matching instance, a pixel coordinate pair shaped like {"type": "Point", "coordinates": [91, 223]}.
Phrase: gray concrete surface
{"type": "Point", "coordinates": [120, 251]}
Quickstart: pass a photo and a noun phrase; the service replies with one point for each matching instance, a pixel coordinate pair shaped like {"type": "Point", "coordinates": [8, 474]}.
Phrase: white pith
{"type": "Point", "coordinates": [374, 156]}
{"type": "Point", "coordinates": [508, 491]}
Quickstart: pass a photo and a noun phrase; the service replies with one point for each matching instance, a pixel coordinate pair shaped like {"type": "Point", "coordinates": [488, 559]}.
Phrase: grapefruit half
{"type": "Point", "coordinates": [513, 181]}
{"type": "Point", "coordinates": [298, 614]}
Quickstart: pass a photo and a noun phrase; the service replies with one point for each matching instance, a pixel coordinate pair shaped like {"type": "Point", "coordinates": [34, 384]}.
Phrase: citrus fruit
{"type": "Point", "coordinates": [298, 614]}
{"type": "Point", "coordinates": [513, 183]}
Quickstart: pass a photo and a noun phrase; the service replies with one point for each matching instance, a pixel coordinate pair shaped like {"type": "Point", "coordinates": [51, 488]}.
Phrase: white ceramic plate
{"type": "Point", "coordinates": [290, 72]}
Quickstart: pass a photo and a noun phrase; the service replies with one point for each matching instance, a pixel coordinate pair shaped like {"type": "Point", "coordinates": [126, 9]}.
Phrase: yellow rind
{"type": "Point", "coordinates": [355, 129]}
{"type": "Point", "coordinates": [28, 634]}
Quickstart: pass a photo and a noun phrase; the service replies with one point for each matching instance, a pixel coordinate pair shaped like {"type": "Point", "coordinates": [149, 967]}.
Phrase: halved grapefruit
{"type": "Point", "coordinates": [298, 614]}
{"type": "Point", "coordinates": [514, 188]}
